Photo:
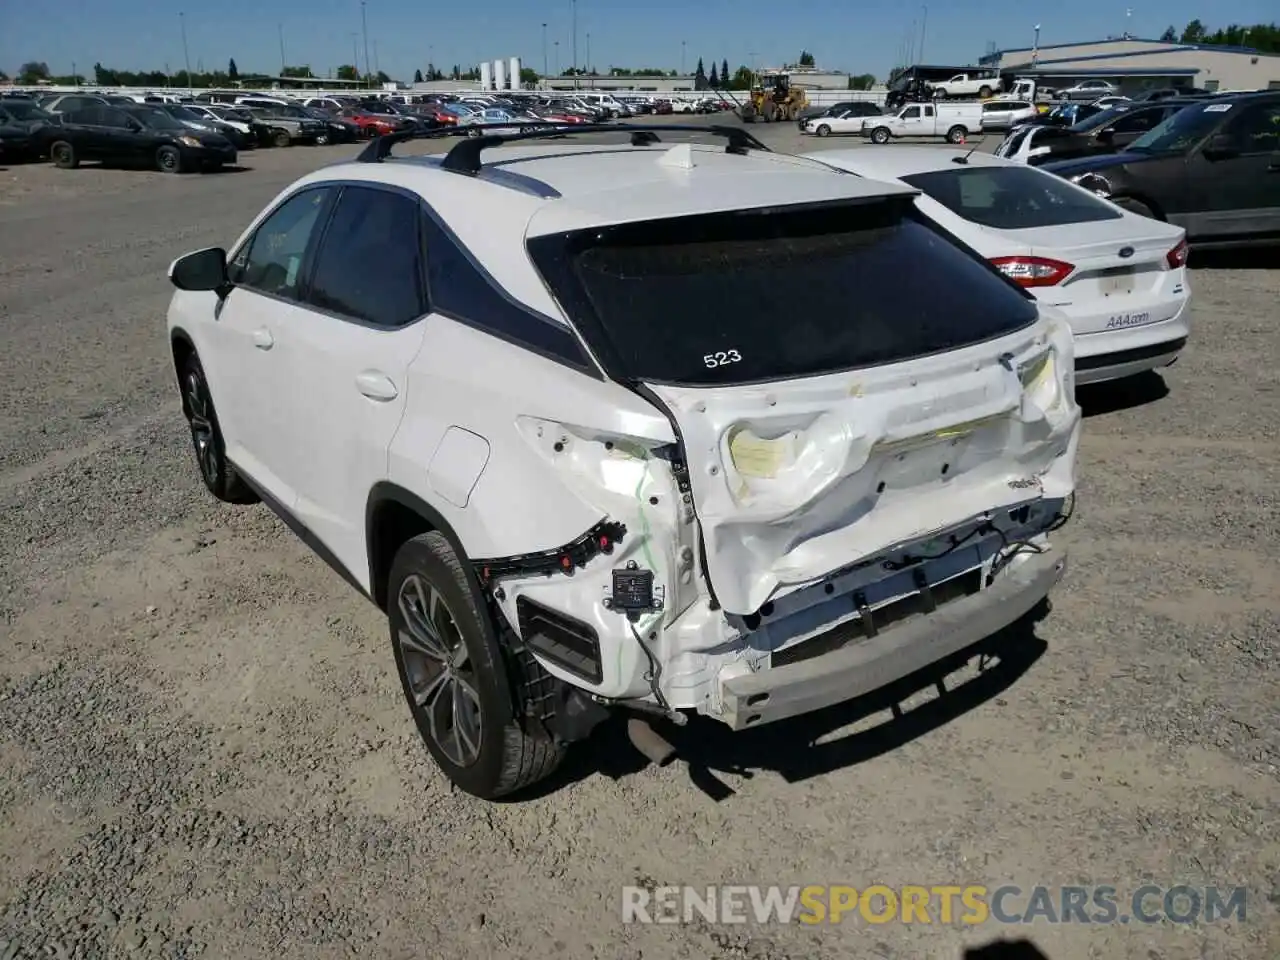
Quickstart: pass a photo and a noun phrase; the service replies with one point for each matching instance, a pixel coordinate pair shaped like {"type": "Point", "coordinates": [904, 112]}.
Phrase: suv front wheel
{"type": "Point", "coordinates": [451, 662]}
{"type": "Point", "coordinates": [206, 436]}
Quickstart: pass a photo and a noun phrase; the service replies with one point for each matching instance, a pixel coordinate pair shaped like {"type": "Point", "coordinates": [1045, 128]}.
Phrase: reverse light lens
{"type": "Point", "coordinates": [1033, 271]}
{"type": "Point", "coordinates": [1177, 257]}
{"type": "Point", "coordinates": [1040, 381]}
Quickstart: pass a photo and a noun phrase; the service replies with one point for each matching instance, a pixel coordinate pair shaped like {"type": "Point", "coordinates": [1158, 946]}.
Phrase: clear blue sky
{"type": "Point", "coordinates": [862, 38]}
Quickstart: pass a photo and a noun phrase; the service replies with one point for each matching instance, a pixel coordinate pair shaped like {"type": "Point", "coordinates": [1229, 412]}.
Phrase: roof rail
{"type": "Point", "coordinates": [464, 157]}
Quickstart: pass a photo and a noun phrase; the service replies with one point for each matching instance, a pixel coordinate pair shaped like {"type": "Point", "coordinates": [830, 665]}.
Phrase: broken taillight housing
{"type": "Point", "coordinates": [1033, 271]}
{"type": "Point", "coordinates": [1177, 257]}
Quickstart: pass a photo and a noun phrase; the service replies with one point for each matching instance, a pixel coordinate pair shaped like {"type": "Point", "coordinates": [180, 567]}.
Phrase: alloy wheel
{"type": "Point", "coordinates": [200, 418]}
{"type": "Point", "coordinates": [439, 671]}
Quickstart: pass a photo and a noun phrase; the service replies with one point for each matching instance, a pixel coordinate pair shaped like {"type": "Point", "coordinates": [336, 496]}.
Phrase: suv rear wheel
{"type": "Point", "coordinates": [456, 671]}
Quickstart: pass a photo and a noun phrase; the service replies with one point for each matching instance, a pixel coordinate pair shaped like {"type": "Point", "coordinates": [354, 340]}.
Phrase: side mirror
{"type": "Point", "coordinates": [1107, 133]}
{"type": "Point", "coordinates": [202, 270]}
{"type": "Point", "coordinates": [1222, 146]}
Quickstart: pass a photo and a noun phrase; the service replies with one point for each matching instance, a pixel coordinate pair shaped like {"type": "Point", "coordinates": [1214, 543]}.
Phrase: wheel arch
{"type": "Point", "coordinates": [183, 348]}
{"type": "Point", "coordinates": [394, 515]}
{"type": "Point", "coordinates": [1139, 197]}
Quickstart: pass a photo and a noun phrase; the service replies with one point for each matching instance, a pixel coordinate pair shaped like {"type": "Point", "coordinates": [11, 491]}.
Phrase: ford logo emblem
{"type": "Point", "coordinates": [1126, 252]}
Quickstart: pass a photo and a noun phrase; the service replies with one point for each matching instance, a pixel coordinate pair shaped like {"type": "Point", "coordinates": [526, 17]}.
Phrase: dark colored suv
{"type": "Point", "coordinates": [1213, 168]}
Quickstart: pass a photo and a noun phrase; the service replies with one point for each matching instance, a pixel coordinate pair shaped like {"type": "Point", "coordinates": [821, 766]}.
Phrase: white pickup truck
{"type": "Point", "coordinates": [954, 121]}
{"type": "Point", "coordinates": [968, 85]}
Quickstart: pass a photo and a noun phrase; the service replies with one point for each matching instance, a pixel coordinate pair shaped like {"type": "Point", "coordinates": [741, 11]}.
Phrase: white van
{"type": "Point", "coordinates": [953, 121]}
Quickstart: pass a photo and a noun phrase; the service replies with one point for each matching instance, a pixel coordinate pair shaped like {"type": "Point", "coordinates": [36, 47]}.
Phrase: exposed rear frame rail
{"type": "Point", "coordinates": [465, 156]}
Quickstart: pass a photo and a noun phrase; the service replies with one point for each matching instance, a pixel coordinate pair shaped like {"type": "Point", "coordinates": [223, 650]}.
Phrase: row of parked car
{"type": "Point", "coordinates": [202, 132]}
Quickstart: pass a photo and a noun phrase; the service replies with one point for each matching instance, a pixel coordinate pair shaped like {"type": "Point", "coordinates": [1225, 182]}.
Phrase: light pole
{"type": "Point", "coordinates": [587, 65]}
{"type": "Point", "coordinates": [924, 22]}
{"type": "Point", "coordinates": [682, 46]}
{"type": "Point", "coordinates": [283, 62]}
{"type": "Point", "coordinates": [574, 44]}
{"type": "Point", "coordinates": [75, 76]}
{"type": "Point", "coordinates": [557, 46]}
{"type": "Point", "coordinates": [355, 56]}
{"type": "Point", "coordinates": [376, 69]}
{"type": "Point", "coordinates": [544, 49]}
{"type": "Point", "coordinates": [182, 20]}
{"type": "Point", "coordinates": [364, 28]}
{"type": "Point", "coordinates": [1035, 47]}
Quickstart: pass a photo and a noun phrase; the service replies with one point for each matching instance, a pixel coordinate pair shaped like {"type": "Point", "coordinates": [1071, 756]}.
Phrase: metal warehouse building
{"type": "Point", "coordinates": [1137, 65]}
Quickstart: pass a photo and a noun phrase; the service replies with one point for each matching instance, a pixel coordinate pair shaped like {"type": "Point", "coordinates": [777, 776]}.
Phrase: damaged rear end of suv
{"type": "Point", "coordinates": [872, 435]}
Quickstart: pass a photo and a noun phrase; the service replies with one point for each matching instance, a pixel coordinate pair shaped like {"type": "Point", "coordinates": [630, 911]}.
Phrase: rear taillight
{"type": "Point", "coordinates": [1177, 257]}
{"type": "Point", "coordinates": [1033, 271]}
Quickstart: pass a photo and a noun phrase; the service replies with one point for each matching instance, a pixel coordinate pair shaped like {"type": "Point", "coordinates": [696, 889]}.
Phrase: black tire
{"type": "Point", "coordinates": [880, 135]}
{"type": "Point", "coordinates": [169, 160]}
{"type": "Point", "coordinates": [322, 140]}
{"type": "Point", "coordinates": [281, 138]}
{"type": "Point", "coordinates": [955, 134]}
{"type": "Point", "coordinates": [823, 130]}
{"type": "Point", "coordinates": [984, 92]}
{"type": "Point", "coordinates": [1135, 206]}
{"type": "Point", "coordinates": [427, 573]}
{"type": "Point", "coordinates": [216, 471]}
{"type": "Point", "coordinates": [63, 155]}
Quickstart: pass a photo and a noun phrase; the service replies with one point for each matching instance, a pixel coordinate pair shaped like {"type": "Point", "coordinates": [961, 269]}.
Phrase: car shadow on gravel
{"type": "Point", "coordinates": [1022, 949]}
{"type": "Point", "coordinates": [1244, 258]}
{"type": "Point", "coordinates": [797, 749]}
{"type": "Point", "coordinates": [1114, 396]}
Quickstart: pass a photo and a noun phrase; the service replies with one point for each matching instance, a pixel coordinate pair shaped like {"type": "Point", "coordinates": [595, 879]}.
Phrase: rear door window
{"type": "Point", "coordinates": [369, 266]}
{"type": "Point", "coordinates": [754, 296]}
{"type": "Point", "coordinates": [1011, 198]}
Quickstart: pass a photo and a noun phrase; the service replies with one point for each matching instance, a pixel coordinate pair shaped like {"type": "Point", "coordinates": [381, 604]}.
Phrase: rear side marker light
{"type": "Point", "coordinates": [1177, 257]}
{"type": "Point", "coordinates": [1033, 271]}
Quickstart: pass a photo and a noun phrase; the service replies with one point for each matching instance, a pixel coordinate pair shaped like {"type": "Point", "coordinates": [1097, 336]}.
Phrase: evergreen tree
{"type": "Point", "coordinates": [233, 72]}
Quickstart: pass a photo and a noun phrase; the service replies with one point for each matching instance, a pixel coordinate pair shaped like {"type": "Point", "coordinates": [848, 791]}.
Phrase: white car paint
{"type": "Point", "coordinates": [850, 121]}
{"type": "Point", "coordinates": [517, 453]}
{"type": "Point", "coordinates": [947, 120]}
{"type": "Point", "coordinates": [1114, 303]}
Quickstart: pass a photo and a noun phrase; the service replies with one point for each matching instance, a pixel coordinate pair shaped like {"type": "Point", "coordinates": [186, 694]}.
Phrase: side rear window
{"type": "Point", "coordinates": [755, 295]}
{"type": "Point", "coordinates": [369, 263]}
{"type": "Point", "coordinates": [458, 288]}
{"type": "Point", "coordinates": [1012, 197]}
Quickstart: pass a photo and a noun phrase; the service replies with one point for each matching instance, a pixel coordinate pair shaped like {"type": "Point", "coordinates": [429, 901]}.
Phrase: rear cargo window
{"type": "Point", "coordinates": [1012, 198]}
{"type": "Point", "coordinates": [762, 295]}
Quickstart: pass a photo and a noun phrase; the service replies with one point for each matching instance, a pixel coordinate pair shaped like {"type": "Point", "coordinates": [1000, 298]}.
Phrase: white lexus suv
{"type": "Point", "coordinates": [667, 428]}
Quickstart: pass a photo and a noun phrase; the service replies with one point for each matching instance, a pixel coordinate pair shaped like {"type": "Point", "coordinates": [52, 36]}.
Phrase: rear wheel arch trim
{"type": "Point", "coordinates": [380, 560]}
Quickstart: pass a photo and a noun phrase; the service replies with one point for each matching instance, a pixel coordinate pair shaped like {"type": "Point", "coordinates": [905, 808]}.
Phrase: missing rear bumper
{"type": "Point", "coordinates": [893, 653]}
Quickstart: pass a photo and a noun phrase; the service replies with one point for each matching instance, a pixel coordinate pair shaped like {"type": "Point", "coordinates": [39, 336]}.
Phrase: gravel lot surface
{"type": "Point", "coordinates": [206, 752]}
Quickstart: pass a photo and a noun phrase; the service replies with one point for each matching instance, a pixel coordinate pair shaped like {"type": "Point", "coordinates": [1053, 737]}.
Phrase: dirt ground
{"type": "Point", "coordinates": [206, 753]}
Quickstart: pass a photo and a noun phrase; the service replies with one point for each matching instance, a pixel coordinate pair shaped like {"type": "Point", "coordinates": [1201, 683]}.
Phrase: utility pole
{"type": "Point", "coordinates": [376, 68]}
{"type": "Point", "coordinates": [587, 65]}
{"type": "Point", "coordinates": [924, 22]}
{"type": "Point", "coordinates": [544, 49]}
{"type": "Point", "coordinates": [75, 77]}
{"type": "Point", "coordinates": [557, 46]}
{"type": "Point", "coordinates": [1035, 47]}
{"type": "Point", "coordinates": [574, 44]}
{"type": "Point", "coordinates": [355, 56]}
{"type": "Point", "coordinates": [283, 62]}
{"type": "Point", "coordinates": [682, 46]}
{"type": "Point", "coordinates": [182, 20]}
{"type": "Point", "coordinates": [364, 28]}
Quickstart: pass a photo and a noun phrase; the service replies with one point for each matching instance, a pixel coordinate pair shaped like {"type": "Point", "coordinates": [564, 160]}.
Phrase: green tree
{"type": "Point", "coordinates": [528, 77]}
{"type": "Point", "coordinates": [1170, 35]}
{"type": "Point", "coordinates": [1194, 33]}
{"type": "Point", "coordinates": [417, 76]}
{"type": "Point", "coordinates": [713, 81]}
{"type": "Point", "coordinates": [806, 58]}
{"type": "Point", "coordinates": [382, 77]}
{"type": "Point", "coordinates": [4, 77]}
{"type": "Point", "coordinates": [347, 72]}
{"type": "Point", "coordinates": [742, 79]}
{"type": "Point", "coordinates": [33, 72]}
{"type": "Point", "coordinates": [863, 81]}
{"type": "Point", "coordinates": [700, 76]}
{"type": "Point", "coordinates": [233, 72]}
{"type": "Point", "coordinates": [302, 72]}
